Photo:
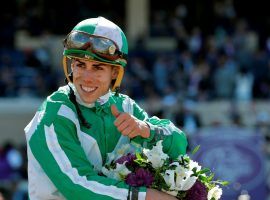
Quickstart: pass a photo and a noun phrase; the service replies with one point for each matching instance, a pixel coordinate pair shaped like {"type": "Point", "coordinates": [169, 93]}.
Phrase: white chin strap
{"type": "Point", "coordinates": [101, 100]}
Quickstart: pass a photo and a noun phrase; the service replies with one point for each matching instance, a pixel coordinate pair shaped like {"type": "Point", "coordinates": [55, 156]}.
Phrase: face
{"type": "Point", "coordinates": [92, 79]}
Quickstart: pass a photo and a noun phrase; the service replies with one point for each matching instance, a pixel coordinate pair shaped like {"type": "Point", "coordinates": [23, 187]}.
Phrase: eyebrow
{"type": "Point", "coordinates": [78, 60]}
{"type": "Point", "coordinates": [97, 64]}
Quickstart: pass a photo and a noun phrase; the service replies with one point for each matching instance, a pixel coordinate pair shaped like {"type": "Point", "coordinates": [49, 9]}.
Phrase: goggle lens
{"type": "Point", "coordinates": [100, 46]}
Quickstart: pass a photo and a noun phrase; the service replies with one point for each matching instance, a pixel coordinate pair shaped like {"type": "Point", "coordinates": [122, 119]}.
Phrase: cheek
{"type": "Point", "coordinates": [105, 79]}
{"type": "Point", "coordinates": [75, 73]}
{"type": "Point", "coordinates": [104, 76]}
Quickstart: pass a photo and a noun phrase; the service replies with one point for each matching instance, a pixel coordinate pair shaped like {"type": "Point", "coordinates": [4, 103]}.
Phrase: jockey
{"type": "Point", "coordinates": [76, 127]}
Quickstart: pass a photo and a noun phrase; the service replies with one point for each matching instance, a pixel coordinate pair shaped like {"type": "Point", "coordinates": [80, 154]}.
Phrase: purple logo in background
{"type": "Point", "coordinates": [234, 155]}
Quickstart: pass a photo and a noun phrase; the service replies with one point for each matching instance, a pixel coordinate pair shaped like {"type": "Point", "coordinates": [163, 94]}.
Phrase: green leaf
{"type": "Point", "coordinates": [224, 183]}
{"type": "Point", "coordinates": [202, 178]}
{"type": "Point", "coordinates": [204, 171]}
{"type": "Point", "coordinates": [210, 178]}
{"type": "Point", "coordinates": [138, 156]}
{"type": "Point", "coordinates": [194, 170]}
{"type": "Point", "coordinates": [195, 149]}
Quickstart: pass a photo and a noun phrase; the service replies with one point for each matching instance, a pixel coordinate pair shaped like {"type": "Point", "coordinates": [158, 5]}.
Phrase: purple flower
{"type": "Point", "coordinates": [129, 159]}
{"type": "Point", "coordinates": [141, 177]}
{"type": "Point", "coordinates": [197, 192]}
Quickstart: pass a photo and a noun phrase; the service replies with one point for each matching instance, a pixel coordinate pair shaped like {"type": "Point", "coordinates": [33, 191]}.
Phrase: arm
{"type": "Point", "coordinates": [157, 195]}
{"type": "Point", "coordinates": [58, 151]}
{"type": "Point", "coordinates": [174, 140]}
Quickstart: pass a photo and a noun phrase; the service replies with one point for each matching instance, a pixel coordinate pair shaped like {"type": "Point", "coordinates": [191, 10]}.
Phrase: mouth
{"type": "Point", "coordinates": [88, 89]}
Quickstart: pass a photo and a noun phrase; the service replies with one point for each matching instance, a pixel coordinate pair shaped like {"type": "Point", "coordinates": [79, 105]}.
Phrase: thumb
{"type": "Point", "coordinates": [115, 111]}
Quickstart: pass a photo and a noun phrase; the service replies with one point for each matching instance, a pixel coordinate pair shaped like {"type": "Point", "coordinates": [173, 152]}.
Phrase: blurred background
{"type": "Point", "coordinates": [205, 65]}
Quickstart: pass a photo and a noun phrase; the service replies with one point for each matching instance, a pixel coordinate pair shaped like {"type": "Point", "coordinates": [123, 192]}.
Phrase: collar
{"type": "Point", "coordinates": [100, 101]}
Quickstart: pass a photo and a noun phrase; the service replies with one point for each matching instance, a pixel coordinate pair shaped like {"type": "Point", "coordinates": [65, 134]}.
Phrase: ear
{"type": "Point", "coordinates": [115, 71]}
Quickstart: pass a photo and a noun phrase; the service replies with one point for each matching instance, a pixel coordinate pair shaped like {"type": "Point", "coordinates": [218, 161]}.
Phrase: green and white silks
{"type": "Point", "coordinates": [64, 158]}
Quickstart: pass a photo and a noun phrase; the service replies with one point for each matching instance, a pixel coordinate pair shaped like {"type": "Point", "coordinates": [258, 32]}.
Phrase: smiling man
{"type": "Point", "coordinates": [92, 79]}
{"type": "Point", "coordinates": [75, 129]}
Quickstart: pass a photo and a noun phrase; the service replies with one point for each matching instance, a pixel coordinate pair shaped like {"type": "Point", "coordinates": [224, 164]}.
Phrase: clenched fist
{"type": "Point", "coordinates": [129, 125]}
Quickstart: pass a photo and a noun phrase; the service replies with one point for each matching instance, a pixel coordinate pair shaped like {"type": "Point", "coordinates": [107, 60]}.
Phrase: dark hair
{"type": "Point", "coordinates": [82, 120]}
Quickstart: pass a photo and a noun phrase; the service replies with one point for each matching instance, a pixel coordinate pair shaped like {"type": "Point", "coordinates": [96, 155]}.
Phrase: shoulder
{"type": "Point", "coordinates": [124, 102]}
{"type": "Point", "coordinates": [61, 95]}
{"type": "Point", "coordinates": [54, 103]}
{"type": "Point", "coordinates": [121, 97]}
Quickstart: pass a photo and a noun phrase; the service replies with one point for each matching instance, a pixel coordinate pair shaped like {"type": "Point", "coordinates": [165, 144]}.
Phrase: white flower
{"type": "Point", "coordinates": [156, 155]}
{"type": "Point", "coordinates": [111, 156]}
{"type": "Point", "coordinates": [169, 178]}
{"type": "Point", "coordinates": [184, 180]}
{"type": "Point", "coordinates": [179, 179]}
{"type": "Point", "coordinates": [118, 173]}
{"type": "Point", "coordinates": [183, 156]}
{"type": "Point", "coordinates": [215, 193]}
{"type": "Point", "coordinates": [193, 164]}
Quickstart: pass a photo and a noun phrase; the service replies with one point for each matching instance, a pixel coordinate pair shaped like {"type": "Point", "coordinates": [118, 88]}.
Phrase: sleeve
{"type": "Point", "coordinates": [57, 149]}
{"type": "Point", "coordinates": [174, 140]}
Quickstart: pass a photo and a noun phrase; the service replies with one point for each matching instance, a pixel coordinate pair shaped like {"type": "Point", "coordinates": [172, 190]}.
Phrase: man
{"type": "Point", "coordinates": [76, 127]}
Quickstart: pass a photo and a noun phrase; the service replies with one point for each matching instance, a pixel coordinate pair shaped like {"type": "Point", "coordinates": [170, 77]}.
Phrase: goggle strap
{"type": "Point", "coordinates": [66, 68]}
{"type": "Point", "coordinates": [119, 78]}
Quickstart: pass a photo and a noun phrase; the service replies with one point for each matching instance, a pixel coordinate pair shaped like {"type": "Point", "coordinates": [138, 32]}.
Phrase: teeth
{"type": "Point", "coordinates": [88, 89]}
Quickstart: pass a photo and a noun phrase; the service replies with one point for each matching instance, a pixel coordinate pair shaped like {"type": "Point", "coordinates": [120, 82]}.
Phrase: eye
{"type": "Point", "coordinates": [98, 67]}
{"type": "Point", "coordinates": [80, 64]}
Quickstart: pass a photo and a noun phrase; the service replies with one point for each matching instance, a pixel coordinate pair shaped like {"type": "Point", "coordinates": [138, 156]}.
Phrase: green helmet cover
{"type": "Point", "coordinates": [101, 26]}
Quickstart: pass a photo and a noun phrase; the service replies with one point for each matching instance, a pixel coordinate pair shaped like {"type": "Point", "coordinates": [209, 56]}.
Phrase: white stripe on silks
{"type": "Point", "coordinates": [142, 196]}
{"type": "Point", "coordinates": [65, 166]}
{"type": "Point", "coordinates": [88, 143]}
{"type": "Point", "coordinates": [166, 130]}
{"type": "Point", "coordinates": [127, 106]}
{"type": "Point", "coordinates": [171, 128]}
{"type": "Point", "coordinates": [40, 187]}
{"type": "Point", "coordinates": [31, 127]}
{"type": "Point", "coordinates": [36, 174]}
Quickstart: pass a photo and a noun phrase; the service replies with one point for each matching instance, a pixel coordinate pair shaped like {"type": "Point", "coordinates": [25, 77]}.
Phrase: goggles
{"type": "Point", "coordinates": [102, 48]}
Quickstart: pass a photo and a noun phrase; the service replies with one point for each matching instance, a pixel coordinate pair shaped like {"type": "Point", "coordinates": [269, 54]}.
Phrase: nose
{"type": "Point", "coordinates": [88, 76]}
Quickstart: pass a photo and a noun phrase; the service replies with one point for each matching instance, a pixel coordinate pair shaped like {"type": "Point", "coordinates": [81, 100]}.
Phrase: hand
{"type": "Point", "coordinates": [130, 125]}
{"type": "Point", "coordinates": [152, 194]}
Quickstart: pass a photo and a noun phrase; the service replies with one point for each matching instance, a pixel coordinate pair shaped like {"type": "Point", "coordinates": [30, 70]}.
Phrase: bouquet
{"type": "Point", "coordinates": [152, 168]}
